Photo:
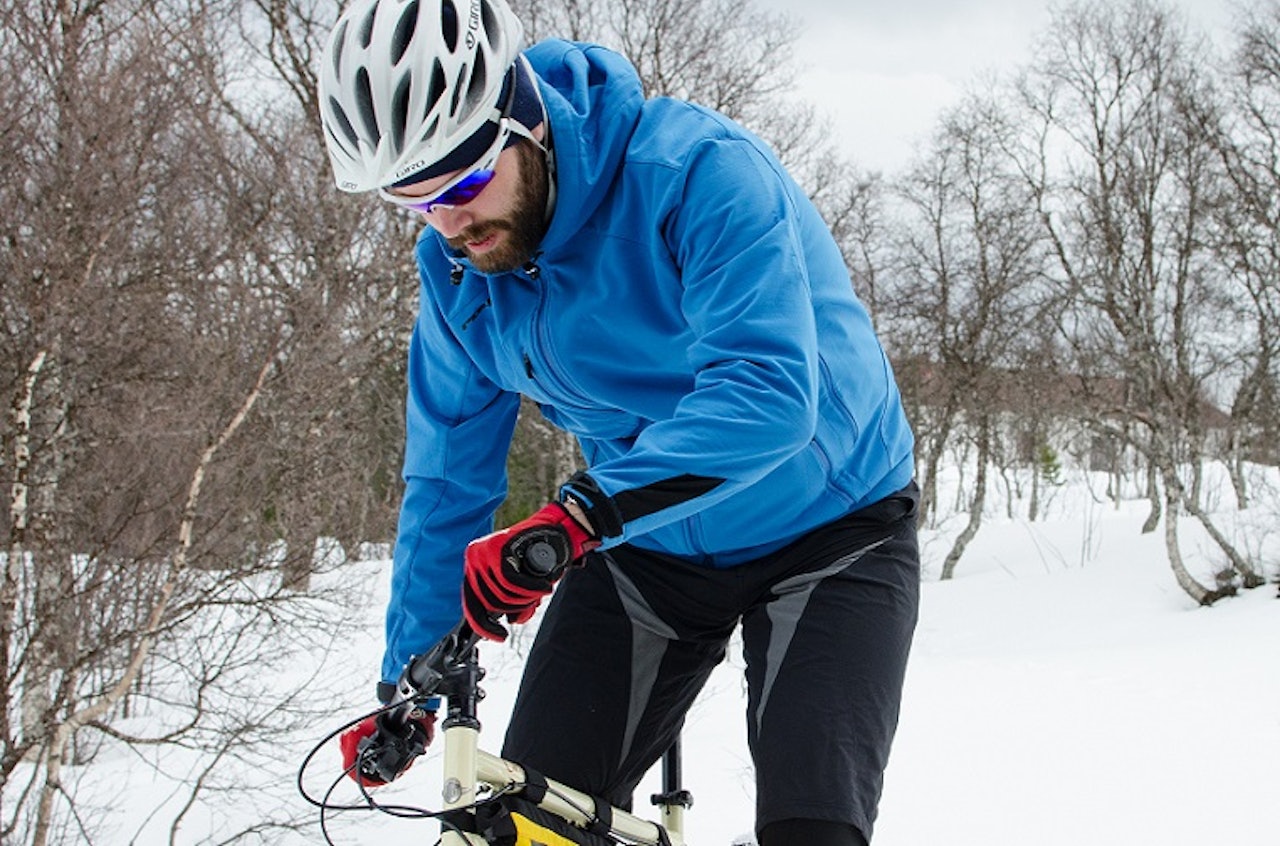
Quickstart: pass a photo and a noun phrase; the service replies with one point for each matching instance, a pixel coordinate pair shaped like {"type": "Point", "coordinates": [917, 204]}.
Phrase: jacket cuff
{"type": "Point", "coordinates": [598, 506]}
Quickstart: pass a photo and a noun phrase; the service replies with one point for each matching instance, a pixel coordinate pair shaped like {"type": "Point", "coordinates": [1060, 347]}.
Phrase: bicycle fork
{"type": "Point", "coordinates": [461, 751]}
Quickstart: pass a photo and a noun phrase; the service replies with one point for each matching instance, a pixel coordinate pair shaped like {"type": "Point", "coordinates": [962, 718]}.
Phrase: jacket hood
{"type": "Point", "coordinates": [593, 98]}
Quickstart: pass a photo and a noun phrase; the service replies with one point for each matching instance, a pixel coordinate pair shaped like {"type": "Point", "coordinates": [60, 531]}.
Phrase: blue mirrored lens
{"type": "Point", "coordinates": [467, 189]}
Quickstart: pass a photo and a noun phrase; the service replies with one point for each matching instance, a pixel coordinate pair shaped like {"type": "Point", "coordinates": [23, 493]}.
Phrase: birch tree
{"type": "Point", "coordinates": [1247, 238]}
{"type": "Point", "coordinates": [145, 337]}
{"type": "Point", "coordinates": [1119, 160]}
{"type": "Point", "coordinates": [966, 298]}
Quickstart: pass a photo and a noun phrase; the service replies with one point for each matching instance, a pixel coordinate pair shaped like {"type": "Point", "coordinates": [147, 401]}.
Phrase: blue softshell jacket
{"type": "Point", "coordinates": [688, 317]}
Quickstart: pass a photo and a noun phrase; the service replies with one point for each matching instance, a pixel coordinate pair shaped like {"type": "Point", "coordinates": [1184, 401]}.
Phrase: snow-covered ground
{"type": "Point", "coordinates": [1062, 690]}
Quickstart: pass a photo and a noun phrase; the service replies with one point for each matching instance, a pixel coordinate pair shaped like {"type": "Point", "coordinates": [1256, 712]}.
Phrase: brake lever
{"type": "Point", "coordinates": [388, 752]}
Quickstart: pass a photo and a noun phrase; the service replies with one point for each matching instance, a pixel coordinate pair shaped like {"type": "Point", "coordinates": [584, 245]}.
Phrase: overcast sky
{"type": "Point", "coordinates": [883, 70]}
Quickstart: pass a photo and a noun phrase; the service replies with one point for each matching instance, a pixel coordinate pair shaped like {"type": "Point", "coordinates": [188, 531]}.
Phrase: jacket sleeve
{"type": "Point", "coordinates": [735, 233]}
{"type": "Point", "coordinates": [458, 430]}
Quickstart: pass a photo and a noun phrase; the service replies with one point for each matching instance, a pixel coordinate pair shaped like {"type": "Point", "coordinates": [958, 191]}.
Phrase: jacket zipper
{"type": "Point", "coordinates": [562, 390]}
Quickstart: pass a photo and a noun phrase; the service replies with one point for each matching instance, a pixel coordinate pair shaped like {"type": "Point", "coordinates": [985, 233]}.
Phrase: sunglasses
{"type": "Point", "coordinates": [468, 184]}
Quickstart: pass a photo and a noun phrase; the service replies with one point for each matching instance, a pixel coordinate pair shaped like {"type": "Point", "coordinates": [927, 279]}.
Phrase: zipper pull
{"type": "Point", "coordinates": [531, 268]}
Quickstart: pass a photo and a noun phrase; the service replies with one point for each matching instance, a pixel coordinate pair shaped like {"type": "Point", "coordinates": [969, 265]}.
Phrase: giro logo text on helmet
{"type": "Point", "coordinates": [411, 168]}
{"type": "Point", "coordinates": [473, 24]}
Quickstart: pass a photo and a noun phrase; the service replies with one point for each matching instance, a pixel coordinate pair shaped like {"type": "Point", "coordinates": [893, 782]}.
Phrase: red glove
{"type": "Point", "coordinates": [374, 752]}
{"type": "Point", "coordinates": [509, 572]}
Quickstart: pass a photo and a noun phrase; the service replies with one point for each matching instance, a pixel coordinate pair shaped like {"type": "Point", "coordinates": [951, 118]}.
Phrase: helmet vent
{"type": "Point", "coordinates": [403, 36]}
{"type": "Point", "coordinates": [400, 113]}
{"type": "Point", "coordinates": [366, 28]}
{"type": "Point", "coordinates": [343, 123]}
{"type": "Point", "coordinates": [477, 85]}
{"type": "Point", "coordinates": [339, 39]}
{"type": "Point", "coordinates": [364, 102]}
{"type": "Point", "coordinates": [436, 89]}
{"type": "Point", "coordinates": [489, 21]}
{"type": "Point", "coordinates": [449, 24]}
{"type": "Point", "coordinates": [457, 91]}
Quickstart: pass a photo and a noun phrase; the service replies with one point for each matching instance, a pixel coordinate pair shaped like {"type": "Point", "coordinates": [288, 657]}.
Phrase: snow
{"type": "Point", "coordinates": [1062, 690]}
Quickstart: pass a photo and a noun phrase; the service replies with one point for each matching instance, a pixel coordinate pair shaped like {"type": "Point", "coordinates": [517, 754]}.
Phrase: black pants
{"type": "Point", "coordinates": [629, 640]}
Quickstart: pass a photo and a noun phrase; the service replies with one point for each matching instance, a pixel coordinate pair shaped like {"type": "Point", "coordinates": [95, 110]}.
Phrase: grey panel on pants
{"type": "Point", "coordinates": [649, 639]}
{"type": "Point", "coordinates": [785, 613]}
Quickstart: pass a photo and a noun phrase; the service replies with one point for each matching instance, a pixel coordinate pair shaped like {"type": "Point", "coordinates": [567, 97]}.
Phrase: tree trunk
{"type": "Point", "coordinates": [16, 558]}
{"type": "Point", "coordinates": [1033, 509]}
{"type": "Point", "coordinates": [1195, 590]}
{"type": "Point", "coordinates": [937, 446]}
{"type": "Point", "coordinates": [1153, 494]}
{"type": "Point", "coordinates": [976, 505]}
{"type": "Point", "coordinates": [1235, 464]}
{"type": "Point", "coordinates": [1013, 494]}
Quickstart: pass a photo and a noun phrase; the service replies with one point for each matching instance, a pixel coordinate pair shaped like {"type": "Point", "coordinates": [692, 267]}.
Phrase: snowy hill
{"type": "Point", "coordinates": [1062, 690]}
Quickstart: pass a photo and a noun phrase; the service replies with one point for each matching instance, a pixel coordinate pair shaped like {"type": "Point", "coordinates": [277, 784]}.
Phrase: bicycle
{"type": "Point", "coordinates": [478, 786]}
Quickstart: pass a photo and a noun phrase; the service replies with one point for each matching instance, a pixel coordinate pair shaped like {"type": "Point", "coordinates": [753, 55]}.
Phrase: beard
{"type": "Point", "coordinates": [523, 227]}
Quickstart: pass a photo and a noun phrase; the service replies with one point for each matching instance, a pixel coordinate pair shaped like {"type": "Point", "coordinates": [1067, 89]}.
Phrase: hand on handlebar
{"type": "Point", "coordinates": [376, 751]}
{"type": "Point", "coordinates": [509, 572]}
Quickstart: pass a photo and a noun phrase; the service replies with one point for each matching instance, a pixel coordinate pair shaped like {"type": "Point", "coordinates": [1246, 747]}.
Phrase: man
{"type": "Point", "coordinates": [648, 273]}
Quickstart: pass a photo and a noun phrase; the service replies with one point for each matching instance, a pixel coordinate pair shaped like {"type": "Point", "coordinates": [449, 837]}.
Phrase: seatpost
{"type": "Point", "coordinates": [674, 799]}
{"type": "Point", "coordinates": [671, 768]}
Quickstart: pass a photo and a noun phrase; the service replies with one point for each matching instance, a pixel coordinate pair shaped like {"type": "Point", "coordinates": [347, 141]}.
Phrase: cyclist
{"type": "Point", "coordinates": [647, 272]}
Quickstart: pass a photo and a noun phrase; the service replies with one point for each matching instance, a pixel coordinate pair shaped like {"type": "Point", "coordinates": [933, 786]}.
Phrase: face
{"type": "Point", "coordinates": [501, 228]}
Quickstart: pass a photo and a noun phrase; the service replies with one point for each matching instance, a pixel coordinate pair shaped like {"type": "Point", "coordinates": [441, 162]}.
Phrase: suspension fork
{"type": "Point", "coordinates": [461, 687]}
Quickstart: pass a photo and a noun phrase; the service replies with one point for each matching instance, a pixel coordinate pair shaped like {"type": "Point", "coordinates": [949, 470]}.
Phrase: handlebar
{"type": "Point", "coordinates": [449, 669]}
{"type": "Point", "coordinates": [425, 673]}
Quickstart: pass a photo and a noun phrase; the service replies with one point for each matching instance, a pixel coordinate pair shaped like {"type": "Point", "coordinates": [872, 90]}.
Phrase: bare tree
{"type": "Point", "coordinates": [1248, 238]}
{"type": "Point", "coordinates": [163, 345]}
{"type": "Point", "coordinates": [967, 300]}
{"type": "Point", "coordinates": [731, 57]}
{"type": "Point", "coordinates": [1117, 97]}
{"type": "Point", "coordinates": [854, 205]}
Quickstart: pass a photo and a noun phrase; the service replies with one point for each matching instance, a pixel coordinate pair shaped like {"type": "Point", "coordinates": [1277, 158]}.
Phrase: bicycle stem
{"type": "Point", "coordinates": [459, 681]}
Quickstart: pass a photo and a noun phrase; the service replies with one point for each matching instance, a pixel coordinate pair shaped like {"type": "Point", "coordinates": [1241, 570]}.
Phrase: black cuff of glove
{"type": "Point", "coordinates": [599, 508]}
{"type": "Point", "coordinates": [386, 692]}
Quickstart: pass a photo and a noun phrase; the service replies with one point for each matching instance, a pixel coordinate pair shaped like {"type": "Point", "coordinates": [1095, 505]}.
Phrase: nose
{"type": "Point", "coordinates": [448, 221]}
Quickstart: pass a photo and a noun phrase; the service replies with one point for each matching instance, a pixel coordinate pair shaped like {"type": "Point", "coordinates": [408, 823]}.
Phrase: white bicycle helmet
{"type": "Point", "coordinates": [405, 82]}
